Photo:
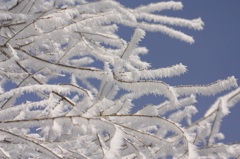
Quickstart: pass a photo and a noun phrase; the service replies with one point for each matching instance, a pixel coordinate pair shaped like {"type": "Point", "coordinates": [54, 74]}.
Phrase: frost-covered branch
{"type": "Point", "coordinates": [41, 40]}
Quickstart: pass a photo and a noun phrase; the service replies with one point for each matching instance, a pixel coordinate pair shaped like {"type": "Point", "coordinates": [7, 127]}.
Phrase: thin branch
{"type": "Point", "coordinates": [32, 75]}
{"type": "Point", "coordinates": [4, 153]}
{"type": "Point", "coordinates": [100, 144]}
{"type": "Point", "coordinates": [214, 123]}
{"type": "Point", "coordinates": [68, 51]}
{"type": "Point", "coordinates": [33, 142]}
{"type": "Point", "coordinates": [57, 64]}
{"type": "Point", "coordinates": [132, 146]}
{"type": "Point", "coordinates": [26, 26]}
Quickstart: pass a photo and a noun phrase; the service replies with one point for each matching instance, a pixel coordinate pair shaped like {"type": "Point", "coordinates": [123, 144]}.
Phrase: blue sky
{"type": "Point", "coordinates": [214, 55]}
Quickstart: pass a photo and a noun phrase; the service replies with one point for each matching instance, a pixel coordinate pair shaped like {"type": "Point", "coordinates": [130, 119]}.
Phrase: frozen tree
{"type": "Point", "coordinates": [45, 39]}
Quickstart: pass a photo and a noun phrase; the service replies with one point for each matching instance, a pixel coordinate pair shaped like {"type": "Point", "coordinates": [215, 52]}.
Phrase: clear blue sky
{"type": "Point", "coordinates": [214, 55]}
